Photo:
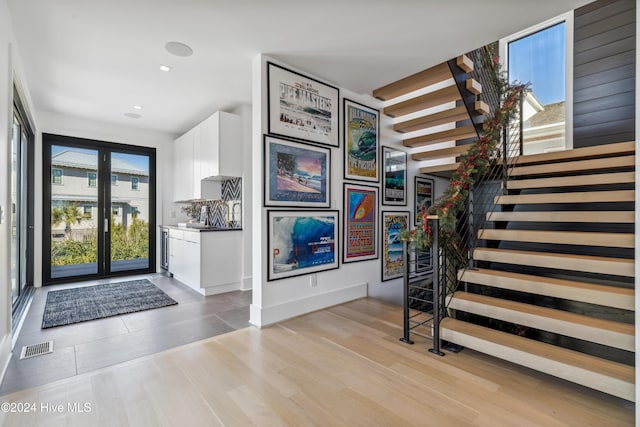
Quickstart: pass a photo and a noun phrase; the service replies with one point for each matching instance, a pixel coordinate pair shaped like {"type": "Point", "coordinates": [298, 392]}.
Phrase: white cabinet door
{"type": "Point", "coordinates": [183, 167]}
{"type": "Point", "coordinates": [196, 163]}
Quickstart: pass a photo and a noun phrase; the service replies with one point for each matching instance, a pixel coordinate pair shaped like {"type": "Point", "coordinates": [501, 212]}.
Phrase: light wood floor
{"type": "Point", "coordinates": [343, 366]}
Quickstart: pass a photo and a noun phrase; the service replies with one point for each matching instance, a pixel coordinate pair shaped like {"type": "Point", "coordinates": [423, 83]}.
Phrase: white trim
{"type": "Point", "coordinates": [264, 316]}
{"type": "Point", "coordinates": [567, 18]}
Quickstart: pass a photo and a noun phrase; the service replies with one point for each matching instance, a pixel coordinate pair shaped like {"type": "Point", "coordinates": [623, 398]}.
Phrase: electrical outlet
{"type": "Point", "coordinates": [313, 280]}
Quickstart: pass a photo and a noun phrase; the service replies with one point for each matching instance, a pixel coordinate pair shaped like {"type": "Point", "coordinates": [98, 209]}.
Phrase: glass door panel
{"type": "Point", "coordinates": [74, 211]}
{"type": "Point", "coordinates": [15, 218]}
{"type": "Point", "coordinates": [129, 222]}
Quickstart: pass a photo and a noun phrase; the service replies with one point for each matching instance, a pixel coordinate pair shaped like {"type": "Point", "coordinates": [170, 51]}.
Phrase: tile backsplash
{"type": "Point", "coordinates": [225, 212]}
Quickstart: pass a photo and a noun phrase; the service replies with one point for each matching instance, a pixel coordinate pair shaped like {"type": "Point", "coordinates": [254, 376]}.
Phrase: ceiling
{"type": "Point", "coordinates": [96, 59]}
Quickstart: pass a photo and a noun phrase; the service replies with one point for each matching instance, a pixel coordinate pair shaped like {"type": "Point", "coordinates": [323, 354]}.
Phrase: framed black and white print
{"type": "Point", "coordinates": [394, 180]}
{"type": "Point", "coordinates": [301, 242]}
{"type": "Point", "coordinates": [361, 142]}
{"type": "Point", "coordinates": [423, 196]}
{"type": "Point", "coordinates": [296, 174]}
{"type": "Point", "coordinates": [301, 107]}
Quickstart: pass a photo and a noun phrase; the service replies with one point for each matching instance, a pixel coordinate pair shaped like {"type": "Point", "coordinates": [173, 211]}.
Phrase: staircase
{"type": "Point", "coordinates": [438, 111]}
{"type": "Point", "coordinates": [554, 287]}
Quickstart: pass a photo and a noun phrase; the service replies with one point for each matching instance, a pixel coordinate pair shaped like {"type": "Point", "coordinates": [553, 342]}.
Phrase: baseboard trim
{"type": "Point", "coordinates": [264, 316]}
{"type": "Point", "coordinates": [5, 353]}
{"type": "Point", "coordinates": [247, 283]}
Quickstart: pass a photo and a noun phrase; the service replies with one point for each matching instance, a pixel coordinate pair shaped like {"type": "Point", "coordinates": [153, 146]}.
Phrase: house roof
{"type": "Point", "coordinates": [81, 160]}
{"type": "Point", "coordinates": [550, 114]}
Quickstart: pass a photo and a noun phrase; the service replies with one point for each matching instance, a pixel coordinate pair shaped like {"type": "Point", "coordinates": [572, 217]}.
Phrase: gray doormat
{"type": "Point", "coordinates": [68, 306]}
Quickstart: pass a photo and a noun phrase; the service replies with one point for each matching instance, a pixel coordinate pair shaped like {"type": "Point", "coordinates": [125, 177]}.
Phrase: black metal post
{"type": "Point", "coordinates": [521, 125]}
{"type": "Point", "coordinates": [405, 293]}
{"type": "Point", "coordinates": [437, 308]}
{"type": "Point", "coordinates": [505, 157]}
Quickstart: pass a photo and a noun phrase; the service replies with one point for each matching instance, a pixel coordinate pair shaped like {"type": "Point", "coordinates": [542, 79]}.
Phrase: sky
{"type": "Point", "coordinates": [139, 161]}
{"type": "Point", "coordinates": [540, 59]}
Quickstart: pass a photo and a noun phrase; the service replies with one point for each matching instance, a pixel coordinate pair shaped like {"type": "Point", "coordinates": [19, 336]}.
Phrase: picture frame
{"type": "Point", "coordinates": [296, 174]}
{"type": "Point", "coordinates": [360, 235]}
{"type": "Point", "coordinates": [422, 195]}
{"type": "Point", "coordinates": [394, 180]}
{"type": "Point", "coordinates": [392, 247]}
{"type": "Point", "coordinates": [361, 142]}
{"type": "Point", "coordinates": [301, 242]}
{"type": "Point", "coordinates": [302, 107]}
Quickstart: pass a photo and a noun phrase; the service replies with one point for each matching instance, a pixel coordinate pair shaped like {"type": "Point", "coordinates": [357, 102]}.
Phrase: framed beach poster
{"type": "Point", "coordinates": [394, 181]}
{"type": "Point", "coordinates": [296, 174]}
{"type": "Point", "coordinates": [392, 247]}
{"type": "Point", "coordinates": [360, 235]}
{"type": "Point", "coordinates": [301, 242]}
{"type": "Point", "coordinates": [423, 196]}
{"type": "Point", "coordinates": [361, 142]}
{"type": "Point", "coordinates": [301, 107]}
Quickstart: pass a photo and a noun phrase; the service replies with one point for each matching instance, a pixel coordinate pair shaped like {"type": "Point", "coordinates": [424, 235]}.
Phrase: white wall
{"type": "Point", "coordinates": [245, 112]}
{"type": "Point", "coordinates": [277, 300]}
{"type": "Point", "coordinates": [82, 128]}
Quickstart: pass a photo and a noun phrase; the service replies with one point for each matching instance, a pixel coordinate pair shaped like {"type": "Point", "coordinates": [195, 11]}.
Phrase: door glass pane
{"type": "Point", "coordinates": [129, 211]}
{"type": "Point", "coordinates": [14, 209]}
{"type": "Point", "coordinates": [540, 58]}
{"type": "Point", "coordinates": [24, 238]}
{"type": "Point", "coordinates": [74, 235]}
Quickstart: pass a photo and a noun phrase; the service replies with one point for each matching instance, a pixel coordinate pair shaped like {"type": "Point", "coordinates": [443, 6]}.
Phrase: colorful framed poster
{"type": "Point", "coordinates": [360, 235]}
{"type": "Point", "coordinates": [394, 181]}
{"type": "Point", "coordinates": [392, 247]}
{"type": "Point", "coordinates": [301, 107]}
{"type": "Point", "coordinates": [423, 196]}
{"type": "Point", "coordinates": [361, 142]}
{"type": "Point", "coordinates": [301, 242]}
{"type": "Point", "coordinates": [296, 174]}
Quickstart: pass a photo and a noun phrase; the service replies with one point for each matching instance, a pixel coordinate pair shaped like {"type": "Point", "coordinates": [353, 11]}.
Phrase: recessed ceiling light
{"type": "Point", "coordinates": [178, 49]}
{"type": "Point", "coordinates": [165, 68]}
{"type": "Point", "coordinates": [137, 107]}
{"type": "Point", "coordinates": [133, 115]}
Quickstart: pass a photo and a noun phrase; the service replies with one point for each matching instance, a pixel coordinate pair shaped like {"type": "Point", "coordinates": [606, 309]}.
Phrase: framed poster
{"type": "Point", "coordinates": [423, 196]}
{"type": "Point", "coordinates": [296, 174]}
{"type": "Point", "coordinates": [361, 142]}
{"type": "Point", "coordinates": [394, 181]}
{"type": "Point", "coordinates": [392, 247]}
{"type": "Point", "coordinates": [301, 242]}
{"type": "Point", "coordinates": [360, 235]}
{"type": "Point", "coordinates": [302, 107]}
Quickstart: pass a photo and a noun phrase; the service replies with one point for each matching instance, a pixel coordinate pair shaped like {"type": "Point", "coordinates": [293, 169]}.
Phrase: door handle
{"type": "Point", "coordinates": [106, 225]}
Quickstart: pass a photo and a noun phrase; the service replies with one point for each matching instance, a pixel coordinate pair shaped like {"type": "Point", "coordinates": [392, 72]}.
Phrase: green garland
{"type": "Point", "coordinates": [473, 164]}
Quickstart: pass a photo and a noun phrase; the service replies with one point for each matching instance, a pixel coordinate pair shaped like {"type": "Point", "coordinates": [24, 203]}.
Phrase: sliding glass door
{"type": "Point", "coordinates": [101, 206]}
{"type": "Point", "coordinates": [19, 217]}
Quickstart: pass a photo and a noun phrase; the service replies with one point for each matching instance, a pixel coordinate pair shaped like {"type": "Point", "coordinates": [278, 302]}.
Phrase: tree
{"type": "Point", "coordinates": [69, 214]}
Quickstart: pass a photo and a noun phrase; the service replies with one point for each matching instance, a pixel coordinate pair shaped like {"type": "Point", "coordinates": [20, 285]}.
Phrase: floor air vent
{"type": "Point", "coordinates": [36, 350]}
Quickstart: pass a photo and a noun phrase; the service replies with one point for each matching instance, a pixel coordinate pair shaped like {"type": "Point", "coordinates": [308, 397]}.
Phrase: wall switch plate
{"type": "Point", "coordinates": [313, 280]}
{"type": "Point", "coordinates": [1, 214]}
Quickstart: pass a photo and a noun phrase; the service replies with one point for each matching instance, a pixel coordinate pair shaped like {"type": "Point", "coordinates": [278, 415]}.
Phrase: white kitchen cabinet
{"type": "Point", "coordinates": [212, 148]}
{"type": "Point", "coordinates": [208, 261]}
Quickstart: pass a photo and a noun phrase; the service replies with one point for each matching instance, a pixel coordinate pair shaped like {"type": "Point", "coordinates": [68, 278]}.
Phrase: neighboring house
{"type": "Point", "coordinates": [544, 125]}
{"type": "Point", "coordinates": [74, 179]}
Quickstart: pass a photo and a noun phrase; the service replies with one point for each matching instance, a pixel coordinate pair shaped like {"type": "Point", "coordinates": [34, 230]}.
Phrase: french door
{"type": "Point", "coordinates": [99, 216]}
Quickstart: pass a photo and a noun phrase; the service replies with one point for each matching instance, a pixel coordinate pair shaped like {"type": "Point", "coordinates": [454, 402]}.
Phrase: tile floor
{"type": "Point", "coordinates": [92, 345]}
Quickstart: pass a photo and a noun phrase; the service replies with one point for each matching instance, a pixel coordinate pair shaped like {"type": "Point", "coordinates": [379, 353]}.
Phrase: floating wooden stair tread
{"type": "Point", "coordinates": [465, 63]}
{"type": "Point", "coordinates": [622, 217]}
{"type": "Point", "coordinates": [573, 181]}
{"type": "Point", "coordinates": [415, 81]}
{"type": "Point", "coordinates": [447, 116]}
{"type": "Point", "coordinates": [455, 134]}
{"type": "Point", "coordinates": [605, 332]}
{"type": "Point", "coordinates": [609, 377]}
{"type": "Point", "coordinates": [584, 263]}
{"type": "Point", "coordinates": [575, 166]}
{"type": "Point", "coordinates": [442, 153]}
{"type": "Point", "coordinates": [613, 240]}
{"type": "Point", "coordinates": [597, 151]}
{"type": "Point", "coordinates": [576, 197]}
{"type": "Point", "coordinates": [473, 86]}
{"type": "Point", "coordinates": [609, 296]}
{"type": "Point", "coordinates": [482, 107]}
{"type": "Point", "coordinates": [429, 100]}
{"type": "Point", "coordinates": [438, 169]}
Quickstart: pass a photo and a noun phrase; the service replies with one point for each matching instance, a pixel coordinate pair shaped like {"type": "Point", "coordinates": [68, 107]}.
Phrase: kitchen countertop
{"type": "Point", "coordinates": [199, 229]}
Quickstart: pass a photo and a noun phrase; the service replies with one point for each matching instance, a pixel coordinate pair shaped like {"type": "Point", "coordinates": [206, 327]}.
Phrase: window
{"type": "Point", "coordinates": [134, 183]}
{"type": "Point", "coordinates": [88, 210]}
{"type": "Point", "coordinates": [93, 179]}
{"type": "Point", "coordinates": [542, 56]}
{"type": "Point", "coordinates": [135, 212]}
{"type": "Point", "coordinates": [56, 176]}
{"type": "Point", "coordinates": [114, 179]}
{"type": "Point", "coordinates": [115, 210]}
